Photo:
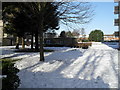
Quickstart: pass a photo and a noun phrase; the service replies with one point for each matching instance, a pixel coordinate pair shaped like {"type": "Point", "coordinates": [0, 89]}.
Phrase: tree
{"type": "Point", "coordinates": [69, 34]}
{"type": "Point", "coordinates": [41, 11]}
{"type": "Point", "coordinates": [47, 15]}
{"type": "Point", "coordinates": [62, 34]}
{"type": "Point", "coordinates": [50, 34]}
{"type": "Point", "coordinates": [83, 32]}
{"type": "Point", "coordinates": [42, 14]}
{"type": "Point", "coordinates": [76, 33]}
{"type": "Point", "coordinates": [74, 12]}
{"type": "Point", "coordinates": [15, 21]}
{"type": "Point", "coordinates": [7, 9]}
{"type": "Point", "coordinates": [96, 35]}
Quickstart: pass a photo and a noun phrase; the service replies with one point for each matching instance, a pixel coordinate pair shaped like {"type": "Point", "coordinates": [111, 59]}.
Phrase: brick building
{"type": "Point", "coordinates": [111, 37]}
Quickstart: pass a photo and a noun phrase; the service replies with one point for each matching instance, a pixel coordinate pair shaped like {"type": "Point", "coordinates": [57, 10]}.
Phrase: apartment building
{"type": "Point", "coordinates": [117, 21]}
{"type": "Point", "coordinates": [110, 37]}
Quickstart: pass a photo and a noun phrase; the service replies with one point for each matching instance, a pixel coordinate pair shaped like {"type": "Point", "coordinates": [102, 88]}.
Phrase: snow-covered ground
{"type": "Point", "coordinates": [96, 67]}
{"type": "Point", "coordinates": [112, 44]}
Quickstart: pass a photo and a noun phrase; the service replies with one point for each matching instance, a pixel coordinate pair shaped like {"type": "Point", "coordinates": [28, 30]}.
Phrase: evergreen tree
{"type": "Point", "coordinates": [42, 14]}
{"type": "Point", "coordinates": [69, 34]}
{"type": "Point", "coordinates": [96, 35]}
{"type": "Point", "coordinates": [62, 34]}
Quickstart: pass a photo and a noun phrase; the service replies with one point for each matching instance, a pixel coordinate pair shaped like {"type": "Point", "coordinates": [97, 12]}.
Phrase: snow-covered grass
{"type": "Point", "coordinates": [96, 67]}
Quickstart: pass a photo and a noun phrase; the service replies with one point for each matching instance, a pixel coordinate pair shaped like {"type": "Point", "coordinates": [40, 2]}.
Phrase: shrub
{"type": "Point", "coordinates": [85, 40]}
{"type": "Point", "coordinates": [84, 47]}
{"type": "Point", "coordinates": [11, 82]}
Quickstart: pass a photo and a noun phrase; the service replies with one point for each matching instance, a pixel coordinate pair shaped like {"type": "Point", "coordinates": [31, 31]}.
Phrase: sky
{"type": "Point", "coordinates": [102, 20]}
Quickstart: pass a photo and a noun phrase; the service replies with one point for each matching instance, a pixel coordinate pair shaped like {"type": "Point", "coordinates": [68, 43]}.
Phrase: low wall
{"type": "Point", "coordinates": [83, 44]}
{"type": "Point", "coordinates": [8, 42]}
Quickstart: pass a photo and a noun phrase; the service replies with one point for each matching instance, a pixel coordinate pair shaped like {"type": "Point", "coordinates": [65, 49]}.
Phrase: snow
{"type": "Point", "coordinates": [3, 76]}
{"type": "Point", "coordinates": [95, 67]}
{"type": "Point", "coordinates": [112, 44]}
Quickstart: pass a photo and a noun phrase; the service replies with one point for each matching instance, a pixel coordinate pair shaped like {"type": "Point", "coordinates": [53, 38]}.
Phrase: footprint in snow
{"type": "Point", "coordinates": [98, 79]}
{"type": "Point", "coordinates": [55, 61]}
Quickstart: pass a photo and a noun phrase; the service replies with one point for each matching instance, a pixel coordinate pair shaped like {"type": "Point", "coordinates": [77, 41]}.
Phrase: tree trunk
{"type": "Point", "coordinates": [32, 40]}
{"type": "Point", "coordinates": [36, 39]}
{"type": "Point", "coordinates": [41, 44]}
{"type": "Point", "coordinates": [23, 43]}
{"type": "Point", "coordinates": [41, 49]}
{"type": "Point", "coordinates": [17, 43]}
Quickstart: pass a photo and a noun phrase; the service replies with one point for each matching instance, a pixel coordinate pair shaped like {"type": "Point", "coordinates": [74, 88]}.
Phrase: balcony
{"type": "Point", "coordinates": [116, 22]}
{"type": "Point", "coordinates": [116, 0]}
{"type": "Point", "coordinates": [116, 10]}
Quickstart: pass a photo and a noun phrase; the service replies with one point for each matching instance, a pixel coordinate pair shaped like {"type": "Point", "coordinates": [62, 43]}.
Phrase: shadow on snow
{"type": "Point", "coordinates": [66, 72]}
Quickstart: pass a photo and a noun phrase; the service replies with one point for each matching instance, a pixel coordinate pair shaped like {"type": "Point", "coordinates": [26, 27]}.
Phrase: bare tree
{"type": "Point", "coordinates": [75, 12]}
{"type": "Point", "coordinates": [83, 32]}
{"type": "Point", "coordinates": [76, 33]}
